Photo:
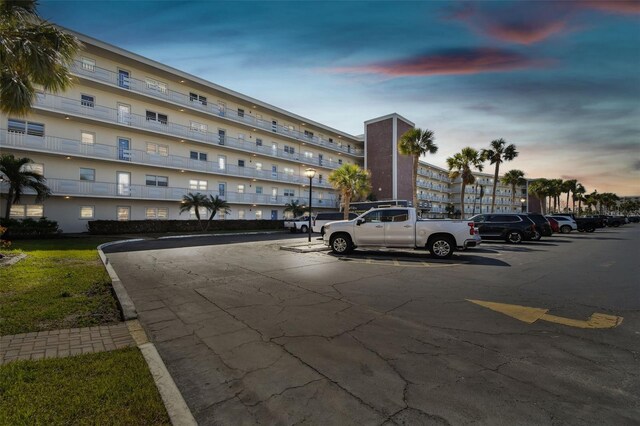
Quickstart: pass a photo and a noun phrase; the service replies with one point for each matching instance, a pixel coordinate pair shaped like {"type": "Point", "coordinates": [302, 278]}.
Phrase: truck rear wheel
{"type": "Point", "coordinates": [341, 244]}
{"type": "Point", "coordinates": [304, 229]}
{"type": "Point", "coordinates": [441, 247]}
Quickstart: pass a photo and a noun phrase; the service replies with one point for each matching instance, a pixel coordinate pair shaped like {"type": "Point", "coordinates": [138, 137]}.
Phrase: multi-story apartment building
{"type": "Point", "coordinates": [474, 203]}
{"type": "Point", "coordinates": [133, 136]}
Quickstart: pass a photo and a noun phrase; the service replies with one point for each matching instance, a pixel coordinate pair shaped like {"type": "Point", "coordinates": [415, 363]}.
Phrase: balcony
{"type": "Point", "coordinates": [74, 107]}
{"type": "Point", "coordinates": [76, 148]}
{"type": "Point", "coordinates": [80, 188]}
{"type": "Point", "coordinates": [127, 83]}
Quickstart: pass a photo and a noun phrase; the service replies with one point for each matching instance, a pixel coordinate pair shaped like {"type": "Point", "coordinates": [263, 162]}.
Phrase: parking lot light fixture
{"type": "Point", "coordinates": [310, 173]}
{"type": "Point", "coordinates": [522, 201]}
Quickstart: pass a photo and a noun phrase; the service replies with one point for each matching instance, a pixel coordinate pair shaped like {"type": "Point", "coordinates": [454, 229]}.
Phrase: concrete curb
{"type": "Point", "coordinates": [307, 248]}
{"type": "Point", "coordinates": [220, 235]}
{"type": "Point", "coordinates": [174, 403]}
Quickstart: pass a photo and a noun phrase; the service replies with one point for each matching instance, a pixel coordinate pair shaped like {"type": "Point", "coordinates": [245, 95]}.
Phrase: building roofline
{"type": "Point", "coordinates": [388, 116]}
{"type": "Point", "coordinates": [152, 63]}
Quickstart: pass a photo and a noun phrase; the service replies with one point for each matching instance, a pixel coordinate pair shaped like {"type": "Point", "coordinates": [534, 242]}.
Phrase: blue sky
{"type": "Point", "coordinates": [561, 80]}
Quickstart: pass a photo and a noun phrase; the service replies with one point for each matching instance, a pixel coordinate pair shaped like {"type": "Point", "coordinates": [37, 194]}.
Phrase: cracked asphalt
{"type": "Point", "coordinates": [257, 335]}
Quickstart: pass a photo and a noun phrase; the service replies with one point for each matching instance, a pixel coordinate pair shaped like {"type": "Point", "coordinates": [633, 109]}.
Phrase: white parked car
{"type": "Point", "coordinates": [396, 227]}
{"type": "Point", "coordinates": [298, 224]}
{"type": "Point", "coordinates": [566, 223]}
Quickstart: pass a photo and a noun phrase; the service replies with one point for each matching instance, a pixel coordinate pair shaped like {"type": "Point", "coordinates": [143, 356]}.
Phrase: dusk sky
{"type": "Point", "coordinates": [561, 80]}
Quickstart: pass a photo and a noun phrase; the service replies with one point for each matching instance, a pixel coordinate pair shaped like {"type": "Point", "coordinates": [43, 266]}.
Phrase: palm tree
{"type": "Point", "coordinates": [460, 167]}
{"type": "Point", "coordinates": [498, 152]}
{"type": "Point", "coordinates": [416, 143]}
{"type": "Point", "coordinates": [194, 202]}
{"type": "Point", "coordinates": [539, 188]}
{"type": "Point", "coordinates": [569, 186]}
{"type": "Point", "coordinates": [578, 194]}
{"type": "Point", "coordinates": [514, 178]}
{"type": "Point", "coordinates": [215, 205]}
{"type": "Point", "coordinates": [352, 181]}
{"type": "Point", "coordinates": [294, 207]}
{"type": "Point", "coordinates": [555, 189]}
{"type": "Point", "coordinates": [20, 179]}
{"type": "Point", "coordinates": [32, 53]}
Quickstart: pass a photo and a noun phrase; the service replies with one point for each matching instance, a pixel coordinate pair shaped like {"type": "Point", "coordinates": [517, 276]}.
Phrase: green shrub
{"type": "Point", "coordinates": [111, 227]}
{"type": "Point", "coordinates": [30, 228]}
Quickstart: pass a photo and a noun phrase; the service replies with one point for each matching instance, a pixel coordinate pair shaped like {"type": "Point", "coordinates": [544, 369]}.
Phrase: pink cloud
{"type": "Point", "coordinates": [525, 34]}
{"type": "Point", "coordinates": [449, 62]}
{"type": "Point", "coordinates": [631, 7]}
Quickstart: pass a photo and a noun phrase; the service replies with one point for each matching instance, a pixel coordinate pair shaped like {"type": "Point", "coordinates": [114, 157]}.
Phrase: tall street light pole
{"type": "Point", "coordinates": [310, 173]}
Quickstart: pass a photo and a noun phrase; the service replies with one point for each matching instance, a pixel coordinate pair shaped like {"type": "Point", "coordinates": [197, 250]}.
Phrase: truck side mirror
{"type": "Point", "coordinates": [359, 222]}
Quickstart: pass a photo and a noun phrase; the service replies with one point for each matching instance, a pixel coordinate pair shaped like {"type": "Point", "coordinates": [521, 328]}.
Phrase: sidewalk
{"type": "Point", "coordinates": [63, 343]}
{"type": "Point", "coordinates": [307, 247]}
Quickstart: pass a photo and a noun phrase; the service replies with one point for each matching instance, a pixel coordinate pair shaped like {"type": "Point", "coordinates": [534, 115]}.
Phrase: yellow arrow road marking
{"type": "Point", "coordinates": [531, 315]}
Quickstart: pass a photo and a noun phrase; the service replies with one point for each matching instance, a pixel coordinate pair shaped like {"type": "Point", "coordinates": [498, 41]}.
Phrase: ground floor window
{"type": "Point", "coordinates": [157, 213]}
{"type": "Point", "coordinates": [258, 214]}
{"type": "Point", "coordinates": [241, 214]}
{"type": "Point", "coordinates": [124, 213]}
{"type": "Point", "coordinates": [24, 211]}
{"type": "Point", "coordinates": [87, 212]}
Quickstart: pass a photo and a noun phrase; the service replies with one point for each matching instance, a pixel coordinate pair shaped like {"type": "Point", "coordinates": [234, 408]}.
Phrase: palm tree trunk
{"type": "Point", "coordinates": [347, 200]}
{"type": "Point", "coordinates": [495, 185]}
{"type": "Point", "coordinates": [513, 195]}
{"type": "Point", "coordinates": [462, 200]}
{"type": "Point", "coordinates": [9, 202]}
{"type": "Point", "coordinates": [414, 184]}
{"type": "Point", "coordinates": [542, 205]}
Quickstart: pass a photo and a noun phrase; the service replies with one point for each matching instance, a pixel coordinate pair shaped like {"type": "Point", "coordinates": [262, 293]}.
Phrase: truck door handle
{"type": "Point", "coordinates": [379, 226]}
{"type": "Point", "coordinates": [408, 226]}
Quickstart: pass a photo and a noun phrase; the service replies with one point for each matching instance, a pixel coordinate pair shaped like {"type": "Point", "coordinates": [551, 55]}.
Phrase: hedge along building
{"type": "Point", "coordinates": [133, 136]}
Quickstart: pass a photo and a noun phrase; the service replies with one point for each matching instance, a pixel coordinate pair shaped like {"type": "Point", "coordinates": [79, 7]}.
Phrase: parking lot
{"type": "Point", "coordinates": [501, 334]}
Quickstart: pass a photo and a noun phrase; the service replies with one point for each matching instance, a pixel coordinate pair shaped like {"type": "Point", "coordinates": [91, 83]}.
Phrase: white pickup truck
{"type": "Point", "coordinates": [298, 224]}
{"type": "Point", "coordinates": [400, 228]}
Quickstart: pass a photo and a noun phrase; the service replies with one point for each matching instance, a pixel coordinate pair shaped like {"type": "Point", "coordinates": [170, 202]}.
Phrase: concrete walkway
{"type": "Point", "coordinates": [63, 343]}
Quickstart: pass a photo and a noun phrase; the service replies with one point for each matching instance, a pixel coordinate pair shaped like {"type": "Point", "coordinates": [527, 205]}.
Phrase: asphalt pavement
{"type": "Point", "coordinates": [538, 333]}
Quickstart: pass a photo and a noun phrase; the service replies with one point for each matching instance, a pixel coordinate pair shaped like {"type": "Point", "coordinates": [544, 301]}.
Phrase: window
{"type": "Point", "coordinates": [194, 97]}
{"type": "Point", "coordinates": [156, 212]}
{"type": "Point", "coordinates": [308, 134]}
{"type": "Point", "coordinates": [86, 212]}
{"type": "Point", "coordinates": [22, 211]}
{"type": "Point", "coordinates": [157, 117]}
{"type": "Point", "coordinates": [274, 126]}
{"type": "Point", "coordinates": [258, 166]}
{"type": "Point", "coordinates": [373, 217]}
{"type": "Point", "coordinates": [240, 189]}
{"type": "Point", "coordinates": [258, 142]}
{"type": "Point", "coordinates": [28, 127]}
{"type": "Point", "coordinates": [274, 148]}
{"type": "Point", "coordinates": [241, 214]}
{"type": "Point", "coordinates": [289, 193]}
{"type": "Point", "coordinates": [241, 136]}
{"type": "Point", "coordinates": [258, 190]}
{"type": "Point", "coordinates": [288, 171]}
{"type": "Point", "coordinates": [87, 174]}
{"type": "Point", "coordinates": [308, 155]}
{"type": "Point", "coordinates": [157, 149]}
{"type": "Point", "coordinates": [37, 168]}
{"type": "Point", "coordinates": [156, 85]}
{"type": "Point", "coordinates": [240, 163]}
{"type": "Point", "coordinates": [394, 216]}
{"type": "Point", "coordinates": [258, 214]}
{"type": "Point", "coordinates": [221, 136]}
{"type": "Point", "coordinates": [88, 64]}
{"type": "Point", "coordinates": [240, 112]}
{"type": "Point", "coordinates": [198, 127]}
{"type": "Point", "coordinates": [123, 213]}
{"type": "Point", "coordinates": [339, 160]}
{"type": "Point", "coordinates": [152, 180]}
{"type": "Point", "coordinates": [319, 178]}
{"type": "Point", "coordinates": [330, 140]}
{"type": "Point", "coordinates": [202, 211]}
{"type": "Point", "coordinates": [222, 189]}
{"type": "Point", "coordinates": [274, 171]}
{"type": "Point", "coordinates": [88, 138]}
{"type": "Point", "coordinates": [222, 162]}
{"type": "Point", "coordinates": [87, 100]}
{"type": "Point", "coordinates": [289, 149]}
{"type": "Point", "coordinates": [195, 155]}
{"type": "Point", "coordinates": [198, 184]}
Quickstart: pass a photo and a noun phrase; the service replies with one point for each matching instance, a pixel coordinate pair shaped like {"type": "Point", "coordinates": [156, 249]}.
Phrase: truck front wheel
{"type": "Point", "coordinates": [341, 244]}
{"type": "Point", "coordinates": [441, 247]}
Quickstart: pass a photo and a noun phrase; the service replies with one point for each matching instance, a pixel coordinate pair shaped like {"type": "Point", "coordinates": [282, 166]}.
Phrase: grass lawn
{"type": "Point", "coordinates": [112, 388]}
{"type": "Point", "coordinates": [60, 284]}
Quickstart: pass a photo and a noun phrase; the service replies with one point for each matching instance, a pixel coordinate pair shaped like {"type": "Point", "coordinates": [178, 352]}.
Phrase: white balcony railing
{"type": "Point", "coordinates": [140, 86]}
{"type": "Point", "coordinates": [80, 188]}
{"type": "Point", "coordinates": [74, 107]}
{"type": "Point", "coordinates": [70, 147]}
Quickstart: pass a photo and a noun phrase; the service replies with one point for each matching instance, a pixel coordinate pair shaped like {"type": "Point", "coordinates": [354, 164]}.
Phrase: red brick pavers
{"type": "Point", "coordinates": [62, 343]}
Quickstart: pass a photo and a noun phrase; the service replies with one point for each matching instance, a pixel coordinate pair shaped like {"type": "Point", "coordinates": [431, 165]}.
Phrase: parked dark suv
{"type": "Point", "coordinates": [543, 227]}
{"type": "Point", "coordinates": [511, 227]}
